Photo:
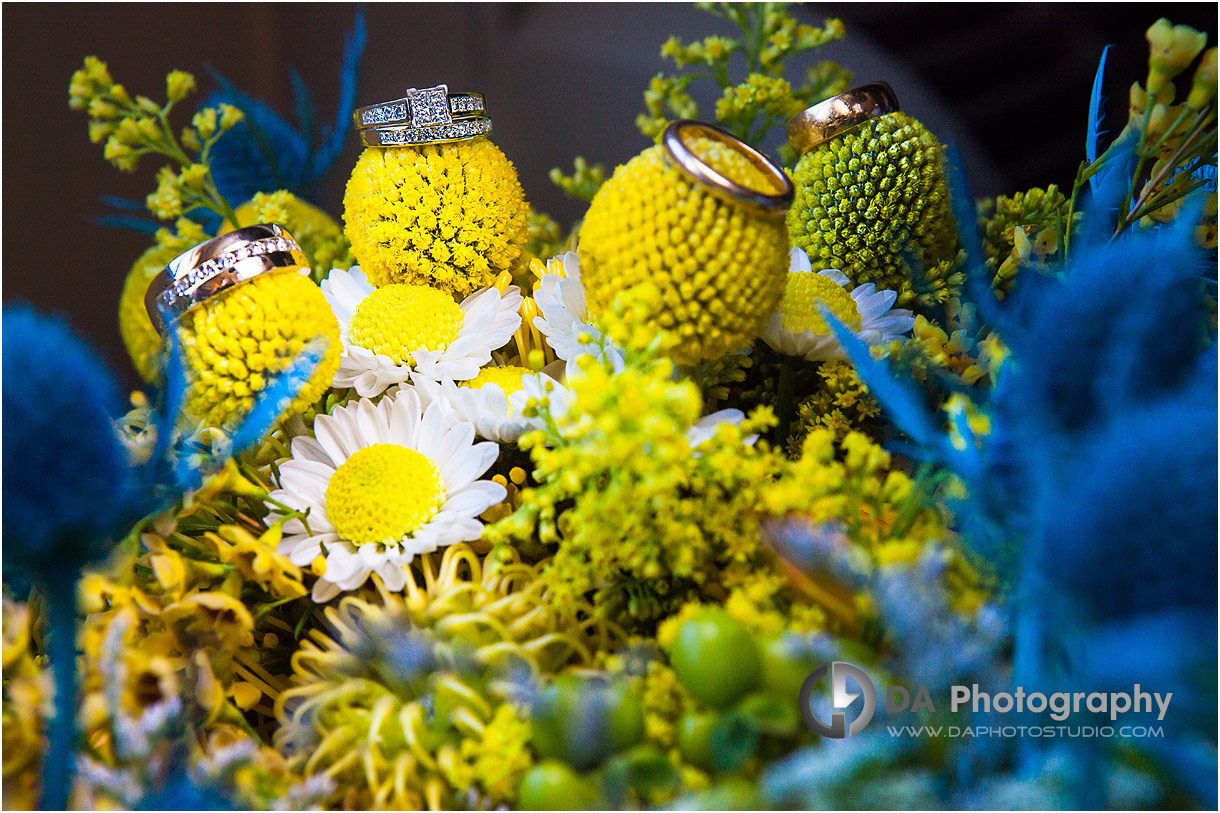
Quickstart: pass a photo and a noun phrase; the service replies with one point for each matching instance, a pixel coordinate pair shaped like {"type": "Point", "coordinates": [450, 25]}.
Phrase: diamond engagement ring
{"type": "Point", "coordinates": [838, 114]}
{"type": "Point", "coordinates": [422, 107]}
{"type": "Point", "coordinates": [437, 134]}
{"type": "Point", "coordinates": [216, 265]}
{"type": "Point", "coordinates": [774, 201]}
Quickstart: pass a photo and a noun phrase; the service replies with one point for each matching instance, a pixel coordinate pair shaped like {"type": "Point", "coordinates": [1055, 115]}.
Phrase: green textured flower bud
{"type": "Point", "coordinates": [872, 197]}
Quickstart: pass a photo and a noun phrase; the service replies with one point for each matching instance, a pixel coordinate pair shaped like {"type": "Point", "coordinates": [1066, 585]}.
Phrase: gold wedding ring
{"type": "Point", "coordinates": [838, 114]}
{"type": "Point", "coordinates": [698, 170]}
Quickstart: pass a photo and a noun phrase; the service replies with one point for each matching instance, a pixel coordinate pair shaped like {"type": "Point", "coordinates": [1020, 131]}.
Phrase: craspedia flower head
{"type": "Point", "coordinates": [870, 198]}
{"type": "Point", "coordinates": [235, 343]}
{"type": "Point", "coordinates": [142, 340]}
{"type": "Point", "coordinates": [67, 481]}
{"type": "Point", "coordinates": [451, 216]}
{"type": "Point", "coordinates": [320, 237]}
{"type": "Point", "coordinates": [718, 268]}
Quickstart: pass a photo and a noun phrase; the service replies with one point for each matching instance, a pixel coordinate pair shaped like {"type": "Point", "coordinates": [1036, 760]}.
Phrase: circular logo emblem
{"type": "Point", "coordinates": [840, 699]}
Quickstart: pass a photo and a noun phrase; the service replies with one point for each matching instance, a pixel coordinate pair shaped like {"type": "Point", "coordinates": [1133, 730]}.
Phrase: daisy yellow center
{"type": "Point", "coordinates": [382, 493]}
{"type": "Point", "coordinates": [398, 319]}
{"type": "Point", "coordinates": [507, 378]}
{"type": "Point", "coordinates": [804, 292]}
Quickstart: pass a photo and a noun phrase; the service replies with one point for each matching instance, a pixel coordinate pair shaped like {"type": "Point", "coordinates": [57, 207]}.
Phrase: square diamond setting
{"type": "Point", "coordinates": [429, 106]}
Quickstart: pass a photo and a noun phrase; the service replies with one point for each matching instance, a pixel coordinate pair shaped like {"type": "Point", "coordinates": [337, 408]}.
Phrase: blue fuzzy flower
{"type": "Point", "coordinates": [67, 482]}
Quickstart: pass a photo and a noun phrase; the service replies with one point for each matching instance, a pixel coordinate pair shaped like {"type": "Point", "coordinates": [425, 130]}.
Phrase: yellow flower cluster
{"type": "Point", "coordinates": [400, 739]}
{"type": "Point", "coordinates": [930, 350]}
{"type": "Point", "coordinates": [638, 516]}
{"type": "Point", "coordinates": [841, 404]}
{"type": "Point", "coordinates": [452, 216]}
{"type": "Point", "coordinates": [27, 696]}
{"type": "Point", "coordinates": [232, 344]}
{"type": "Point", "coordinates": [866, 198]}
{"type": "Point", "coordinates": [319, 236]}
{"type": "Point", "coordinates": [718, 269]}
{"type": "Point", "coordinates": [852, 485]}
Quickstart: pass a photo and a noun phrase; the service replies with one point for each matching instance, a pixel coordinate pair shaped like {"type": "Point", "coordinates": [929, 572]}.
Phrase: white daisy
{"type": "Point", "coordinates": [797, 329]}
{"type": "Point", "coordinates": [564, 322]}
{"type": "Point", "coordinates": [382, 484]}
{"type": "Point", "coordinates": [704, 429]}
{"type": "Point", "coordinates": [400, 332]}
{"type": "Point", "coordinates": [495, 400]}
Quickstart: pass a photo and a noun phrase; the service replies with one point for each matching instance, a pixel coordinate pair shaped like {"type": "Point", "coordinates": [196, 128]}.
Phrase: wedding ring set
{"type": "Point", "coordinates": [216, 265]}
{"type": "Point", "coordinates": [423, 116]}
{"type": "Point", "coordinates": [436, 116]}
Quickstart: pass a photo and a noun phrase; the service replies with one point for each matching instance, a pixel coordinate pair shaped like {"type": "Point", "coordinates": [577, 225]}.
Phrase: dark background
{"type": "Point", "coordinates": [1007, 84]}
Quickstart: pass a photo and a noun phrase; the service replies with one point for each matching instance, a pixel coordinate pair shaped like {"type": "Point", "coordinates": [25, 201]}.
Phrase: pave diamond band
{"type": "Point", "coordinates": [218, 264]}
{"type": "Point", "coordinates": [413, 136]}
{"type": "Point", "coordinates": [422, 107]}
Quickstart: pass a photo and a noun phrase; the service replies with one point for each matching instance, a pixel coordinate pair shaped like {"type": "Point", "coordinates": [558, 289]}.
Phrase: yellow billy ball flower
{"type": "Point", "coordinates": [320, 237]}
{"type": "Point", "coordinates": [869, 196]}
{"type": "Point", "coordinates": [719, 269]}
{"type": "Point", "coordinates": [451, 216]}
{"type": "Point", "coordinates": [235, 343]}
{"type": "Point", "coordinates": [142, 340]}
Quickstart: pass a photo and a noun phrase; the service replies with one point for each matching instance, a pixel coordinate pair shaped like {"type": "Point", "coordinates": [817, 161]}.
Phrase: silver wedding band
{"type": "Point", "coordinates": [424, 116]}
{"type": "Point", "coordinates": [696, 169]}
{"type": "Point", "coordinates": [216, 265]}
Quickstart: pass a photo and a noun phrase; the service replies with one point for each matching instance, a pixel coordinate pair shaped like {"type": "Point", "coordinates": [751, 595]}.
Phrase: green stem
{"type": "Point", "coordinates": [786, 400]}
{"type": "Point", "coordinates": [59, 763]}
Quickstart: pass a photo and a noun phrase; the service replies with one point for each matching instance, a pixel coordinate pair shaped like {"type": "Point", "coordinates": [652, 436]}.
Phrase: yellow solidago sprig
{"type": "Point", "coordinates": [750, 107]}
{"type": "Point", "coordinates": [841, 403]}
{"type": "Point", "coordinates": [135, 127]}
{"type": "Point", "coordinates": [234, 344]}
{"type": "Point", "coordinates": [641, 520]}
{"type": "Point", "coordinates": [449, 216]}
{"type": "Point", "coordinates": [705, 271]}
{"type": "Point", "coordinates": [874, 204]}
{"type": "Point", "coordinates": [1174, 144]}
{"type": "Point", "coordinates": [851, 490]}
{"type": "Point", "coordinates": [1023, 230]}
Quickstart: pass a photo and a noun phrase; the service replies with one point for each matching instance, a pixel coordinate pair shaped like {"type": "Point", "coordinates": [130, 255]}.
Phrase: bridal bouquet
{"type": "Point", "coordinates": [793, 480]}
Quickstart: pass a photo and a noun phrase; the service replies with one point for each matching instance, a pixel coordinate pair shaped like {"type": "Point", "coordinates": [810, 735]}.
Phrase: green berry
{"type": "Point", "coordinates": [716, 658]}
{"type": "Point", "coordinates": [695, 739]}
{"type": "Point", "coordinates": [552, 785]}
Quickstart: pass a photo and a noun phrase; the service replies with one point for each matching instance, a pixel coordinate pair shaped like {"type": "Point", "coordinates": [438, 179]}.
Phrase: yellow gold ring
{"type": "Point", "coordinates": [695, 168]}
{"type": "Point", "coordinates": [838, 114]}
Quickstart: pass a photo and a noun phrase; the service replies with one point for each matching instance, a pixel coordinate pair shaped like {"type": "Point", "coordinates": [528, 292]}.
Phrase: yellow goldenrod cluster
{"type": "Point", "coordinates": [134, 127]}
{"type": "Point", "coordinates": [27, 695]}
{"type": "Point", "coordinates": [1021, 231]}
{"type": "Point", "coordinates": [869, 198]}
{"type": "Point", "coordinates": [320, 237]}
{"type": "Point", "coordinates": [931, 351]}
{"type": "Point", "coordinates": [717, 269]}
{"type": "Point", "coordinates": [650, 520]}
{"type": "Point", "coordinates": [852, 486]}
{"type": "Point", "coordinates": [234, 343]}
{"type": "Point", "coordinates": [452, 216]}
{"type": "Point", "coordinates": [382, 701]}
{"type": "Point", "coordinates": [841, 404]}
{"type": "Point", "coordinates": [584, 181]}
{"type": "Point", "coordinates": [769, 38]}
